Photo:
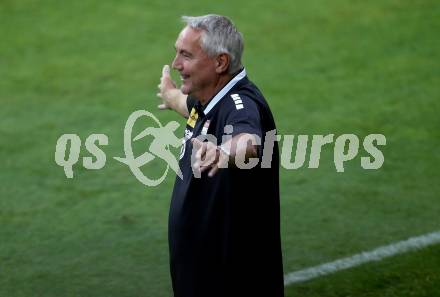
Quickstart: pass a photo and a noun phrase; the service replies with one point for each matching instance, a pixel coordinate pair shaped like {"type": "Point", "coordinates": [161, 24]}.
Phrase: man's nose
{"type": "Point", "coordinates": [176, 63]}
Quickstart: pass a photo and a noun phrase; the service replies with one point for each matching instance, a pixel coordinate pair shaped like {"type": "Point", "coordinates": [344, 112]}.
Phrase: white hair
{"type": "Point", "coordinates": [219, 36]}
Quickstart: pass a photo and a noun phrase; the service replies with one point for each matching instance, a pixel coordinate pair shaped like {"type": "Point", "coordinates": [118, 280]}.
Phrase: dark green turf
{"type": "Point", "coordinates": [412, 274]}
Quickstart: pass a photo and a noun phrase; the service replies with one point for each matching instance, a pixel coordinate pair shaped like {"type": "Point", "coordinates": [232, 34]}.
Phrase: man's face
{"type": "Point", "coordinates": [197, 70]}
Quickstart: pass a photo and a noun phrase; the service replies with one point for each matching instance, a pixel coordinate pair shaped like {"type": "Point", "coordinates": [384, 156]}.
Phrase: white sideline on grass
{"type": "Point", "coordinates": [411, 244]}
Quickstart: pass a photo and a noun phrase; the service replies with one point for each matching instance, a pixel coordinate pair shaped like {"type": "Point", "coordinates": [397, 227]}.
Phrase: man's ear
{"type": "Point", "coordinates": [222, 63]}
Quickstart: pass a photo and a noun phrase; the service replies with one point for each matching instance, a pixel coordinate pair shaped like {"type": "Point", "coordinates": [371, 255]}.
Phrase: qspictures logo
{"type": "Point", "coordinates": [346, 148]}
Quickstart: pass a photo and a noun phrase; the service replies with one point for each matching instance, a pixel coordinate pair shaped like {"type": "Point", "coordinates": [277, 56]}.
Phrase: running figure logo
{"type": "Point", "coordinates": [163, 138]}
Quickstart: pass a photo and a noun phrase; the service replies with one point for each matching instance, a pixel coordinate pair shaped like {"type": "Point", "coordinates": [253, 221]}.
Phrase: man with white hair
{"type": "Point", "coordinates": [224, 221]}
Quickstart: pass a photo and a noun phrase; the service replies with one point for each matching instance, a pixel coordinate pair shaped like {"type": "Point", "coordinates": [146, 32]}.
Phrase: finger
{"type": "Point", "coordinates": [196, 143]}
{"type": "Point", "coordinates": [166, 71]}
{"type": "Point", "coordinates": [162, 106]}
{"type": "Point", "coordinates": [204, 168]}
{"type": "Point", "coordinates": [200, 154]}
{"type": "Point", "coordinates": [213, 171]}
{"type": "Point", "coordinates": [210, 158]}
{"type": "Point", "coordinates": [198, 151]}
{"type": "Point", "coordinates": [166, 80]}
{"type": "Point", "coordinates": [167, 83]}
{"type": "Point", "coordinates": [210, 155]}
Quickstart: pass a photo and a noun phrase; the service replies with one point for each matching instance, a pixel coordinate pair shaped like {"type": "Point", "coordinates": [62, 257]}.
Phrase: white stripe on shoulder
{"type": "Point", "coordinates": [237, 100]}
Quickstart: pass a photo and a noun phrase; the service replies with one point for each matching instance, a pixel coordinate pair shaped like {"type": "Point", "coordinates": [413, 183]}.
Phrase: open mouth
{"type": "Point", "coordinates": [184, 77]}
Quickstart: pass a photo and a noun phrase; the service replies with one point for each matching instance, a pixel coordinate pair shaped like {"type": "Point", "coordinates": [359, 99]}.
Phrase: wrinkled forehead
{"type": "Point", "coordinates": [189, 38]}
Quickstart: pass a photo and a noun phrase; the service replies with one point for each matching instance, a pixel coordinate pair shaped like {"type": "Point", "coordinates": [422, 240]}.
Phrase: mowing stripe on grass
{"type": "Point", "coordinates": [411, 244]}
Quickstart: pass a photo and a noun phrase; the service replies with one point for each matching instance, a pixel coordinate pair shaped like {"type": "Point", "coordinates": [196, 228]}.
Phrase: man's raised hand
{"type": "Point", "coordinates": [167, 89]}
{"type": "Point", "coordinates": [172, 97]}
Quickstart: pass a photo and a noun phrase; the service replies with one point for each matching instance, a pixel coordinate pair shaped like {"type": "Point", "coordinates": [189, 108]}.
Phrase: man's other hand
{"type": "Point", "coordinates": [207, 155]}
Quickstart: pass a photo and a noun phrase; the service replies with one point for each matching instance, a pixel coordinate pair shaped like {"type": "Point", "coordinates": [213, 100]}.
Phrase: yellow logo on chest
{"type": "Point", "coordinates": [192, 119]}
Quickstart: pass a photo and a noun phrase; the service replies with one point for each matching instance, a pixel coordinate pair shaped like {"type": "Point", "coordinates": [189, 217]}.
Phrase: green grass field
{"type": "Point", "coordinates": [338, 67]}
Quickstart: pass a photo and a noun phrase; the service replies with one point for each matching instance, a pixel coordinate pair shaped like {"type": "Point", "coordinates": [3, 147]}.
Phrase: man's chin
{"type": "Point", "coordinates": [185, 90]}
